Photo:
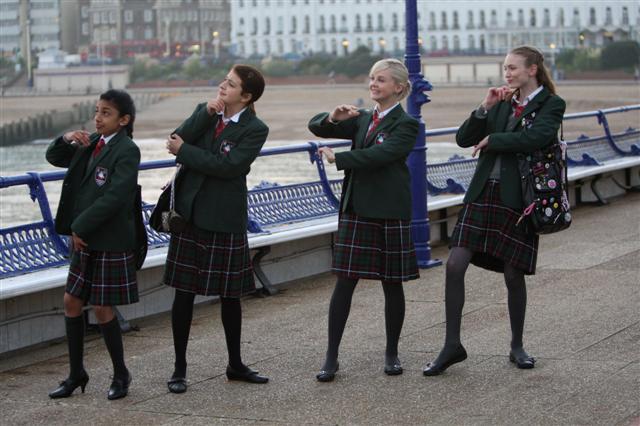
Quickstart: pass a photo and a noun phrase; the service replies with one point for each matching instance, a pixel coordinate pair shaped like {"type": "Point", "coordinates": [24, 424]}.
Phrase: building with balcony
{"type": "Point", "coordinates": [34, 23]}
{"type": "Point", "coordinates": [281, 27]}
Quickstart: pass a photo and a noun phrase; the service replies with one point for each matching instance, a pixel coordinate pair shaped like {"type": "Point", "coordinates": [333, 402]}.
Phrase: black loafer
{"type": "Point", "coordinates": [327, 375]}
{"type": "Point", "coordinates": [67, 386]}
{"type": "Point", "coordinates": [177, 385]}
{"type": "Point", "coordinates": [119, 387]}
{"type": "Point", "coordinates": [436, 368]}
{"type": "Point", "coordinates": [248, 376]}
{"type": "Point", "coordinates": [522, 359]}
{"type": "Point", "coordinates": [394, 369]}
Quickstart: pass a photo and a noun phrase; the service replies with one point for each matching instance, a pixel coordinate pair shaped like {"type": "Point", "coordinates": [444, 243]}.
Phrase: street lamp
{"type": "Point", "coordinates": [167, 23]}
{"type": "Point", "coordinates": [215, 39]}
{"type": "Point", "coordinates": [382, 42]}
{"type": "Point", "coordinates": [554, 73]}
{"type": "Point", "coordinates": [345, 46]}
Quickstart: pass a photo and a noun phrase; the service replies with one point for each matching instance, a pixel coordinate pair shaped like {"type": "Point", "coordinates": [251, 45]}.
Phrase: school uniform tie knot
{"type": "Point", "coordinates": [220, 126]}
{"type": "Point", "coordinates": [101, 143]}
{"type": "Point", "coordinates": [375, 120]}
{"type": "Point", "coordinates": [517, 109]}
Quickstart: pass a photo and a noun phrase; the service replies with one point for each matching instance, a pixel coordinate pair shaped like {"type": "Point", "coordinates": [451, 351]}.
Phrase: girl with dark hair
{"type": "Point", "coordinates": [215, 147]}
{"type": "Point", "coordinates": [95, 210]}
{"type": "Point", "coordinates": [521, 117]}
{"type": "Point", "coordinates": [374, 229]}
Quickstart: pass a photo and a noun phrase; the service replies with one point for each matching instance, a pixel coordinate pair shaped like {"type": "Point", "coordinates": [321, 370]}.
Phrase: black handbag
{"type": "Point", "coordinates": [544, 188]}
{"type": "Point", "coordinates": [164, 218]}
{"type": "Point", "coordinates": [141, 231]}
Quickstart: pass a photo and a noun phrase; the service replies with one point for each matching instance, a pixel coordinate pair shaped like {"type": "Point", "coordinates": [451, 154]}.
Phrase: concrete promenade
{"type": "Point", "coordinates": [583, 325]}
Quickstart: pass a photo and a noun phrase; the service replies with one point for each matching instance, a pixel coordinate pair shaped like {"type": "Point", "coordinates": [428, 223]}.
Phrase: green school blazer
{"type": "Point", "coordinates": [97, 198]}
{"type": "Point", "coordinates": [541, 118]}
{"type": "Point", "coordinates": [377, 183]}
{"type": "Point", "coordinates": [211, 191]}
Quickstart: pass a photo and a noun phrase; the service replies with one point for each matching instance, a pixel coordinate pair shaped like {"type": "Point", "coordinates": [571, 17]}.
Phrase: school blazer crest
{"type": "Point", "coordinates": [98, 194]}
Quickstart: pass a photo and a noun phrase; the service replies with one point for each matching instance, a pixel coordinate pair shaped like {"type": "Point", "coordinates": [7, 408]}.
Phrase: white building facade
{"type": "Point", "coordinates": [282, 27]}
{"type": "Point", "coordinates": [34, 22]}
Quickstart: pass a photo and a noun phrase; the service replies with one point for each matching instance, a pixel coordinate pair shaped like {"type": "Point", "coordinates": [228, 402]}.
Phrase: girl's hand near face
{"type": "Point", "coordinates": [79, 136]}
{"type": "Point", "coordinates": [327, 153]}
{"type": "Point", "coordinates": [174, 143]}
{"type": "Point", "coordinates": [343, 112]}
{"type": "Point", "coordinates": [215, 106]}
{"type": "Point", "coordinates": [495, 95]}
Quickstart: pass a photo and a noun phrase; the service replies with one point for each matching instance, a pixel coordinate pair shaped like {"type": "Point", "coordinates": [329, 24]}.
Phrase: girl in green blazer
{"type": "Point", "coordinates": [374, 229]}
{"type": "Point", "coordinates": [522, 116]}
{"type": "Point", "coordinates": [215, 147]}
{"type": "Point", "coordinates": [96, 210]}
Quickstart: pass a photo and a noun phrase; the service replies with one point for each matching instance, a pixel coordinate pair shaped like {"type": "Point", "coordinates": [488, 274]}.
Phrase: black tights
{"type": "Point", "coordinates": [459, 259]}
{"type": "Point", "coordinates": [340, 306]}
{"type": "Point", "coordinates": [181, 316]}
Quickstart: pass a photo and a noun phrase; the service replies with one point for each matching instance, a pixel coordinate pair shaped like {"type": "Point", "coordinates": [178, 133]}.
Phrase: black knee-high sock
{"type": "Point", "coordinates": [75, 341]}
{"type": "Point", "coordinates": [181, 316]}
{"type": "Point", "coordinates": [517, 301]}
{"type": "Point", "coordinates": [394, 308]}
{"type": "Point", "coordinates": [339, 308]}
{"type": "Point", "coordinates": [457, 264]}
{"type": "Point", "coordinates": [113, 339]}
{"type": "Point", "coordinates": [231, 312]}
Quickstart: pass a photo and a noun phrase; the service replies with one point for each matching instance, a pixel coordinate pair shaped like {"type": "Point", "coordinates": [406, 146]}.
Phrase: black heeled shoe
{"type": "Point", "coordinates": [522, 359]}
{"type": "Point", "coordinates": [393, 368]}
{"type": "Point", "coordinates": [67, 386]}
{"type": "Point", "coordinates": [435, 368]}
{"type": "Point", "coordinates": [177, 385]}
{"type": "Point", "coordinates": [327, 375]}
{"type": "Point", "coordinates": [119, 387]}
{"type": "Point", "coordinates": [249, 376]}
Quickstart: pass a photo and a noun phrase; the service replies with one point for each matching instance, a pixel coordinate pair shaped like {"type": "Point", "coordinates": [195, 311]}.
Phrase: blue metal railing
{"type": "Point", "coordinates": [34, 246]}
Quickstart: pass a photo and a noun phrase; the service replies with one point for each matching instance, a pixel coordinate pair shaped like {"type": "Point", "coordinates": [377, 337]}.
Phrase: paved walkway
{"type": "Point", "coordinates": [583, 325]}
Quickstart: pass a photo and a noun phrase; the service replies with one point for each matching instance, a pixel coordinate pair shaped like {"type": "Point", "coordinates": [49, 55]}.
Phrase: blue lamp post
{"type": "Point", "coordinates": [417, 160]}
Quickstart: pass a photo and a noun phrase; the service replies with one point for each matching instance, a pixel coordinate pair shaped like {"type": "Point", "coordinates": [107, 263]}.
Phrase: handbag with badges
{"type": "Point", "coordinates": [543, 176]}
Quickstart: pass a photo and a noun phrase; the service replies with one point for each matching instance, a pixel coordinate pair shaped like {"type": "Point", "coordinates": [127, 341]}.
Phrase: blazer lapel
{"type": "Point", "coordinates": [533, 105]}
{"type": "Point", "coordinates": [365, 120]}
{"type": "Point", "coordinates": [103, 153]}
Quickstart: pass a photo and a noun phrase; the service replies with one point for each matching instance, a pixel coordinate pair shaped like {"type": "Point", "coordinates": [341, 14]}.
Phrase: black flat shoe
{"type": "Point", "coordinates": [393, 369]}
{"type": "Point", "coordinates": [327, 375]}
{"type": "Point", "coordinates": [67, 387]}
{"type": "Point", "coordinates": [177, 385]}
{"type": "Point", "coordinates": [248, 376]}
{"type": "Point", "coordinates": [119, 387]}
{"type": "Point", "coordinates": [436, 368]}
{"type": "Point", "coordinates": [522, 359]}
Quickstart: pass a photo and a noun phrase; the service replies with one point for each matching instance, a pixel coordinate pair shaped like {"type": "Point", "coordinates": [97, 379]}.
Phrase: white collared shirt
{"type": "Point", "coordinates": [108, 138]}
{"type": "Point", "coordinates": [235, 118]}
{"type": "Point", "coordinates": [528, 98]}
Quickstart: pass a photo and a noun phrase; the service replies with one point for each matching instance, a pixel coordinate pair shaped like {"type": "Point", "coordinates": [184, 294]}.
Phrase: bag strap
{"type": "Point", "coordinates": [173, 186]}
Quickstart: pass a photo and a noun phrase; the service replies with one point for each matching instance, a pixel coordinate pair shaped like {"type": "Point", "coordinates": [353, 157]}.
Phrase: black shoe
{"type": "Point", "coordinates": [67, 386]}
{"type": "Point", "coordinates": [177, 385]}
{"type": "Point", "coordinates": [435, 368]}
{"type": "Point", "coordinates": [249, 375]}
{"type": "Point", "coordinates": [327, 375]}
{"type": "Point", "coordinates": [119, 387]}
{"type": "Point", "coordinates": [393, 368]}
{"type": "Point", "coordinates": [521, 359]}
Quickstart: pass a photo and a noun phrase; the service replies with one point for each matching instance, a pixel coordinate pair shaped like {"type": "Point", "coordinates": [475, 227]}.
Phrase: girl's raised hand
{"type": "Point", "coordinates": [215, 106]}
{"type": "Point", "coordinates": [343, 112]}
{"type": "Point", "coordinates": [79, 136]}
{"type": "Point", "coordinates": [495, 95]}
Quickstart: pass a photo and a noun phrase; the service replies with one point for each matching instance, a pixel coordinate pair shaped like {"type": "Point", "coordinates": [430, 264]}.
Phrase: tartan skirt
{"type": "Point", "coordinates": [488, 228]}
{"type": "Point", "coordinates": [209, 263]}
{"type": "Point", "coordinates": [103, 278]}
{"type": "Point", "coordinates": [375, 249]}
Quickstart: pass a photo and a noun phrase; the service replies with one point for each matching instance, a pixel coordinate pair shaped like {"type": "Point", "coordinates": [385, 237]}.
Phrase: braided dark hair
{"type": "Point", "coordinates": [124, 104]}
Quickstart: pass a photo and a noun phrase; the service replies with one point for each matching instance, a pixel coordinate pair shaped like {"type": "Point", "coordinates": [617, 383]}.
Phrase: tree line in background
{"type": "Point", "coordinates": [620, 55]}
